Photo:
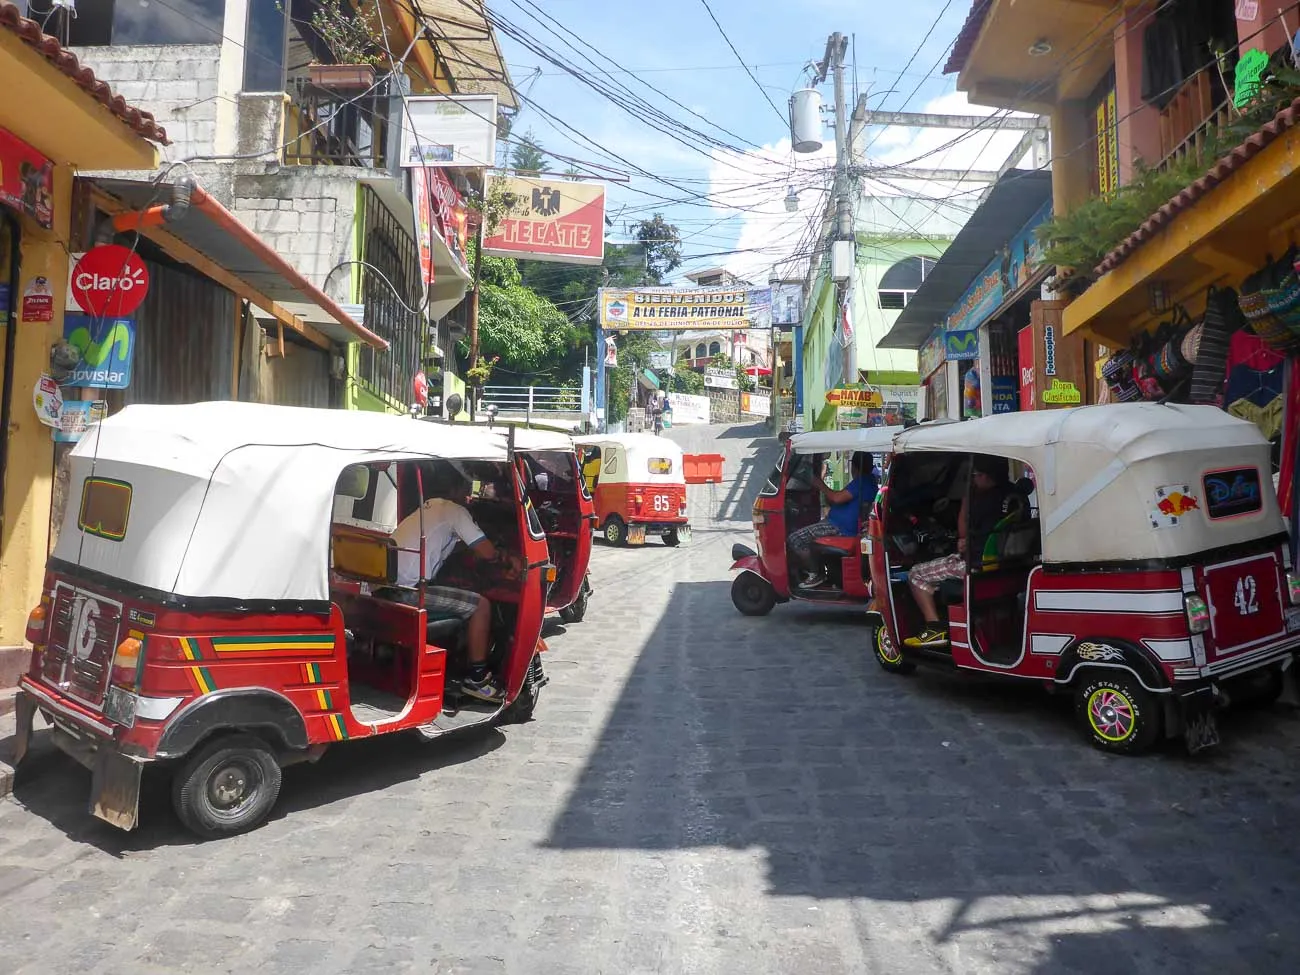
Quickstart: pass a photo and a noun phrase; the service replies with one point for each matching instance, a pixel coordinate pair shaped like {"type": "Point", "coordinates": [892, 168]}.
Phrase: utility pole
{"type": "Point", "coordinates": [473, 319]}
{"type": "Point", "coordinates": [833, 64]}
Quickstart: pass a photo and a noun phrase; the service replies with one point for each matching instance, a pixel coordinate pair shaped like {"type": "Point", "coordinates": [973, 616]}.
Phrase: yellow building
{"type": "Point", "coordinates": [65, 120]}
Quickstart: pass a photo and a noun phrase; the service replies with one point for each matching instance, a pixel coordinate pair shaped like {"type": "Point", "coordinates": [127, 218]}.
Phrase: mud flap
{"type": "Point", "coordinates": [115, 789]}
{"type": "Point", "coordinates": [25, 712]}
{"type": "Point", "coordinates": [1200, 726]}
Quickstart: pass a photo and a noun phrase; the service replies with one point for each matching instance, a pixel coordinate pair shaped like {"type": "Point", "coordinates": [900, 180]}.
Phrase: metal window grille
{"type": "Point", "coordinates": [391, 312]}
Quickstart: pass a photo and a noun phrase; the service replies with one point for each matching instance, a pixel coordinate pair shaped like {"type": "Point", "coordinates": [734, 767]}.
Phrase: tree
{"type": "Point", "coordinates": [527, 332]}
{"type": "Point", "coordinates": [527, 156]}
{"type": "Point", "coordinates": [663, 247]}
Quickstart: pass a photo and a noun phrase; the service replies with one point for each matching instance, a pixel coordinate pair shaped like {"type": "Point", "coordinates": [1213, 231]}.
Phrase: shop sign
{"type": "Point", "coordinates": [961, 346]}
{"type": "Point", "coordinates": [661, 360]}
{"type": "Point", "coordinates": [558, 220]}
{"type": "Point", "coordinates": [756, 404]}
{"type": "Point", "coordinates": [1049, 350]}
{"type": "Point", "coordinates": [1063, 394]}
{"type": "Point", "coordinates": [716, 378]}
{"type": "Point", "coordinates": [26, 180]}
{"type": "Point", "coordinates": [76, 418]}
{"type": "Point", "coordinates": [854, 397]}
{"type": "Point", "coordinates": [1025, 345]}
{"type": "Point", "coordinates": [423, 206]}
{"type": "Point", "coordinates": [689, 409]}
{"type": "Point", "coordinates": [980, 300]}
{"type": "Point", "coordinates": [107, 348]}
{"type": "Point", "coordinates": [682, 309]}
{"type": "Point", "coordinates": [611, 352]}
{"type": "Point", "coordinates": [1025, 253]}
{"type": "Point", "coordinates": [47, 400]}
{"type": "Point", "coordinates": [787, 305]}
{"type": "Point", "coordinates": [109, 281]}
{"type": "Point", "coordinates": [931, 355]}
{"type": "Point", "coordinates": [1003, 394]}
{"type": "Point", "coordinates": [449, 130]}
{"type": "Point", "coordinates": [38, 301]}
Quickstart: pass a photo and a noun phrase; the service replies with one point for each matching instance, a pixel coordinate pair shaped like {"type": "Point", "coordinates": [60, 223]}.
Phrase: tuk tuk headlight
{"type": "Point", "coordinates": [1293, 587]}
{"type": "Point", "coordinates": [1198, 613]}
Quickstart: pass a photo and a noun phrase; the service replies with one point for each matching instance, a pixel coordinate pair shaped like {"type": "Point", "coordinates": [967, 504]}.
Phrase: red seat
{"type": "Point", "coordinates": [838, 544]}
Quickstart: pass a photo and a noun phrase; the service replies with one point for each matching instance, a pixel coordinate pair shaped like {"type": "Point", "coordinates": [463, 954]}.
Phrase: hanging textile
{"type": "Point", "coordinates": [1290, 434]}
{"type": "Point", "coordinates": [1222, 320]}
{"type": "Point", "coordinates": [1254, 390]}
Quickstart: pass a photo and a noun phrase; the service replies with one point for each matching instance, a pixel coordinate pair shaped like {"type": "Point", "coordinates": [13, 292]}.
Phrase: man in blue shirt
{"type": "Point", "coordinates": [842, 519]}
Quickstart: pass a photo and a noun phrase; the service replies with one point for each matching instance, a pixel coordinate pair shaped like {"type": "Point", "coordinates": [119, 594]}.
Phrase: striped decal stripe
{"type": "Point", "coordinates": [190, 648]}
{"type": "Point", "coordinates": [203, 680]}
{"type": "Point", "coordinates": [293, 643]}
{"type": "Point", "coordinates": [336, 725]}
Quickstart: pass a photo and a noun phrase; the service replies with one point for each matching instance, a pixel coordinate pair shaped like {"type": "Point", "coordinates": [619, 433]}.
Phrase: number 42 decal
{"type": "Point", "coordinates": [1247, 597]}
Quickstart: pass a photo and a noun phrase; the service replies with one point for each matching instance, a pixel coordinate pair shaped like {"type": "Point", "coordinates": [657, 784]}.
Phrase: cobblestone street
{"type": "Point", "coordinates": [700, 792]}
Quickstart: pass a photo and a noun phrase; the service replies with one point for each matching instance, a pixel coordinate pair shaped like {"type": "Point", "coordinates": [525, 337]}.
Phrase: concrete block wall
{"type": "Point", "coordinates": [307, 214]}
{"type": "Point", "coordinates": [724, 405]}
{"type": "Point", "coordinates": [177, 83]}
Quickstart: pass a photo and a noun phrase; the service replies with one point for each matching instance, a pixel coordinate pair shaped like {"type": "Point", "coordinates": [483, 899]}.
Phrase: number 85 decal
{"type": "Point", "coordinates": [1247, 596]}
{"type": "Point", "coordinates": [660, 502]}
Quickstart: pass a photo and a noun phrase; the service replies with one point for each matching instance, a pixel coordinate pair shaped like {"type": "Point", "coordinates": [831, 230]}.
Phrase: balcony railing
{"type": "Point", "coordinates": [1191, 122]}
{"type": "Point", "coordinates": [528, 400]}
{"type": "Point", "coordinates": [324, 127]}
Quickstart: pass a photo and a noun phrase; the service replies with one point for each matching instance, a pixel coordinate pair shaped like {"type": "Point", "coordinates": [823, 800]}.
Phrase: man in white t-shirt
{"type": "Point", "coordinates": [446, 524]}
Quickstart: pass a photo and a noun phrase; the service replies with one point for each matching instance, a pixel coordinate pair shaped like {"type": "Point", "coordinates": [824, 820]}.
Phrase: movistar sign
{"type": "Point", "coordinates": [958, 346]}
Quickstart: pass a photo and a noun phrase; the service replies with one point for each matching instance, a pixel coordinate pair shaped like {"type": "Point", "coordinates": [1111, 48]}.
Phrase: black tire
{"type": "Point", "coordinates": [1260, 689]}
{"type": "Point", "coordinates": [227, 786]}
{"type": "Point", "coordinates": [522, 707]}
{"type": "Point", "coordinates": [1116, 713]}
{"type": "Point", "coordinates": [887, 655]}
{"type": "Point", "coordinates": [671, 538]}
{"type": "Point", "coordinates": [752, 595]}
{"type": "Point", "coordinates": [575, 611]}
{"type": "Point", "coordinates": [615, 532]}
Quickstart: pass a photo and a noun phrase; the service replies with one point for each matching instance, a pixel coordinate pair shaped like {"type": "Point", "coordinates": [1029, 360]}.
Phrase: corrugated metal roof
{"type": "Point", "coordinates": [1187, 197]}
{"type": "Point", "coordinates": [967, 36]}
{"type": "Point", "coordinates": [30, 33]}
{"type": "Point", "coordinates": [467, 42]}
{"type": "Point", "coordinates": [1013, 201]}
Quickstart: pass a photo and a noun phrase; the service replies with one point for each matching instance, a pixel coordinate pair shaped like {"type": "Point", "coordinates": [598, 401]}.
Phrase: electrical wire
{"type": "Point", "coordinates": [713, 17]}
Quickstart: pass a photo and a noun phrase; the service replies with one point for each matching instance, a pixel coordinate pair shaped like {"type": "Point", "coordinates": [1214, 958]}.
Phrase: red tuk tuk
{"type": "Point", "coordinates": [221, 600]}
{"type": "Point", "coordinates": [1140, 564]}
{"type": "Point", "coordinates": [789, 501]}
{"type": "Point", "coordinates": [639, 485]}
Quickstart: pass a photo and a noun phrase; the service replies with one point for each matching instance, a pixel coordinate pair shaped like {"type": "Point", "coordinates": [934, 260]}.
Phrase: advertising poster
{"type": "Point", "coordinates": [107, 349]}
{"type": "Point", "coordinates": [787, 305]}
{"type": "Point", "coordinates": [26, 181]}
{"type": "Point", "coordinates": [449, 130]}
{"type": "Point", "coordinates": [688, 408]}
{"type": "Point", "coordinates": [549, 220]}
{"type": "Point", "coordinates": [680, 309]}
{"type": "Point", "coordinates": [1025, 342]}
{"type": "Point", "coordinates": [76, 418]}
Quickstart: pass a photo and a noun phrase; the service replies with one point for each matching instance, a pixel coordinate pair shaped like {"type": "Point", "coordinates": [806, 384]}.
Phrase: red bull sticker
{"type": "Point", "coordinates": [1173, 501]}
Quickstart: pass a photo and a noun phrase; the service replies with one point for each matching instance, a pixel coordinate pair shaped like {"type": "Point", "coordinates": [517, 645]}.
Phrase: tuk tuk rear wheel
{"type": "Point", "coordinates": [1117, 713]}
{"type": "Point", "coordinates": [889, 656]}
{"type": "Point", "coordinates": [672, 538]}
{"type": "Point", "coordinates": [228, 786]}
{"type": "Point", "coordinates": [615, 530]}
{"type": "Point", "coordinates": [576, 610]}
{"type": "Point", "coordinates": [752, 595]}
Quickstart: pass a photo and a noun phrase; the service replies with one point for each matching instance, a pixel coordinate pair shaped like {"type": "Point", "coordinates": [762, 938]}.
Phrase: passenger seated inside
{"type": "Point", "coordinates": [842, 519]}
{"type": "Point", "coordinates": [979, 514]}
{"type": "Point", "coordinates": [446, 522]}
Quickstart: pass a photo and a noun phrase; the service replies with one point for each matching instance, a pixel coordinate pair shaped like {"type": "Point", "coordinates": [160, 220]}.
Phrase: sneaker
{"type": "Point", "coordinates": [931, 636]}
{"type": "Point", "coordinates": [810, 580]}
{"type": "Point", "coordinates": [483, 688]}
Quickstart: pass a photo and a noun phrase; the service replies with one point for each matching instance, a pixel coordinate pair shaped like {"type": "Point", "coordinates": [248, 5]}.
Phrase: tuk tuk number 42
{"type": "Point", "coordinates": [1137, 560]}
{"type": "Point", "coordinates": [222, 600]}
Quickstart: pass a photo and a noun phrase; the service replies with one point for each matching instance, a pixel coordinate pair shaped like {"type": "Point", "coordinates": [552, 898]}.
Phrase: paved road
{"type": "Point", "coordinates": [701, 793]}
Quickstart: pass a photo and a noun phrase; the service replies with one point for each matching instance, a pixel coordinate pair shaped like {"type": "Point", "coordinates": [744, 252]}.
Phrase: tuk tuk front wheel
{"type": "Point", "coordinates": [615, 531]}
{"type": "Point", "coordinates": [751, 595]}
{"type": "Point", "coordinates": [886, 653]}
{"type": "Point", "coordinates": [1118, 714]}
{"type": "Point", "coordinates": [575, 611]}
{"type": "Point", "coordinates": [522, 707]}
{"type": "Point", "coordinates": [228, 786]}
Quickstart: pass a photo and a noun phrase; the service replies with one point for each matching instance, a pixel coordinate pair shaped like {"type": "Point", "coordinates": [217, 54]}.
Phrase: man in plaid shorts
{"type": "Point", "coordinates": [446, 523]}
{"type": "Point", "coordinates": [842, 519]}
{"type": "Point", "coordinates": [977, 518]}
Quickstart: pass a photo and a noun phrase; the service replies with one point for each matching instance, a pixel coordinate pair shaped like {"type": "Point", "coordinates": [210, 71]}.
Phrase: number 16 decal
{"type": "Point", "coordinates": [1246, 599]}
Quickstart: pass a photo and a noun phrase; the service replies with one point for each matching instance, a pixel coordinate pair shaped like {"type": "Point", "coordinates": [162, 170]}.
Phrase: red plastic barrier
{"type": "Point", "coordinates": [702, 468]}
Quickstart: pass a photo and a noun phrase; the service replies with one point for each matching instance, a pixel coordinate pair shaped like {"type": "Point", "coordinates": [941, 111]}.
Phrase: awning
{"type": "Point", "coordinates": [1012, 203]}
{"type": "Point", "coordinates": [451, 281]}
{"type": "Point", "coordinates": [649, 380]}
{"type": "Point", "coordinates": [213, 240]}
{"type": "Point", "coordinates": [467, 44]}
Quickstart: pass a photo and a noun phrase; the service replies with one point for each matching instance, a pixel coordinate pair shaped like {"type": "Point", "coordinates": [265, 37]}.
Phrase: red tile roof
{"type": "Point", "coordinates": [966, 37]}
{"type": "Point", "coordinates": [1255, 143]}
{"type": "Point", "coordinates": [12, 20]}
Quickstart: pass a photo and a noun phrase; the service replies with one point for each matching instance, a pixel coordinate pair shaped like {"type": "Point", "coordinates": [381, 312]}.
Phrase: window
{"type": "Point", "coordinates": [98, 23]}
{"type": "Point", "coordinates": [894, 300]}
{"type": "Point", "coordinates": [660, 465]}
{"type": "Point", "coordinates": [701, 351]}
{"type": "Point", "coordinates": [715, 348]}
{"type": "Point", "coordinates": [392, 299]}
{"type": "Point", "coordinates": [105, 507]}
{"type": "Point", "coordinates": [900, 282]}
{"type": "Point", "coordinates": [1232, 492]}
{"type": "Point", "coordinates": [264, 43]}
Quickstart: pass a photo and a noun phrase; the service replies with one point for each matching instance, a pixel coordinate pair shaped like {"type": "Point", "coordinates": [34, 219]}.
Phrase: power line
{"type": "Point", "coordinates": [766, 96]}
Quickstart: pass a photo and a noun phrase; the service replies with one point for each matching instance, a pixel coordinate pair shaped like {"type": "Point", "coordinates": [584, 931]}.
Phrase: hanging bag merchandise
{"type": "Point", "coordinates": [1222, 319]}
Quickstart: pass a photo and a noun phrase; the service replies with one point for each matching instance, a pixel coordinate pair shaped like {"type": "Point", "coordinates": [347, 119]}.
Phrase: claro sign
{"type": "Point", "coordinates": [109, 281]}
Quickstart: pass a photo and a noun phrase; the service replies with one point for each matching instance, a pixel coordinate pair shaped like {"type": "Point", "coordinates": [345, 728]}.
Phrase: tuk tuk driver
{"type": "Point", "coordinates": [842, 519]}
{"type": "Point", "coordinates": [446, 523]}
{"type": "Point", "coordinates": [977, 518]}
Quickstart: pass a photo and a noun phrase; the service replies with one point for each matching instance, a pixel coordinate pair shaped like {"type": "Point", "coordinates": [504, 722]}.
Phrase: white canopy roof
{"type": "Point", "coordinates": [235, 500]}
{"type": "Point", "coordinates": [639, 449]}
{"type": "Point", "coordinates": [873, 440]}
{"type": "Point", "coordinates": [1101, 472]}
{"type": "Point", "coordinates": [532, 439]}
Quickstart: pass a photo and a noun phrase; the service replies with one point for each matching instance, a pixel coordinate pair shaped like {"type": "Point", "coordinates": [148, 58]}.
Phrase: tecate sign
{"type": "Point", "coordinates": [110, 281]}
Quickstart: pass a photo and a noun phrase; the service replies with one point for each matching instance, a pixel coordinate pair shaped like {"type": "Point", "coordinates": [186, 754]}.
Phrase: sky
{"type": "Point", "coordinates": [726, 196]}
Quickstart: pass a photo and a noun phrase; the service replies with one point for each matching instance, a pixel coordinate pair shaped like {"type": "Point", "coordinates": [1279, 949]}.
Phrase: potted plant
{"type": "Point", "coordinates": [347, 34]}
